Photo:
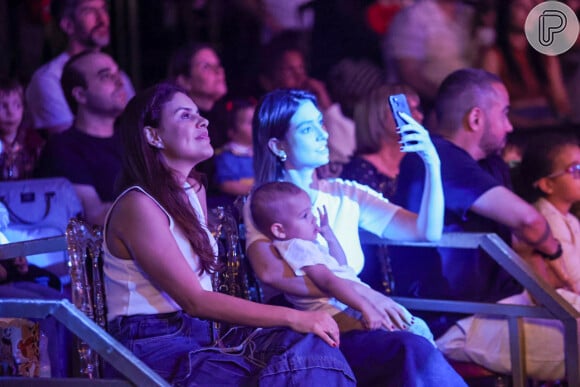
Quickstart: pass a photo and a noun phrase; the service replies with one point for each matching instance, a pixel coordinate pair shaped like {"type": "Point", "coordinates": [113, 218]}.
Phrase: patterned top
{"type": "Point", "coordinates": [360, 170]}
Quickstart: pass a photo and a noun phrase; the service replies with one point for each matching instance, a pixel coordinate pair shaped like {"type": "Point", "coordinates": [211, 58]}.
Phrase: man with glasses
{"type": "Point", "coordinates": [89, 153]}
{"type": "Point", "coordinates": [472, 107]}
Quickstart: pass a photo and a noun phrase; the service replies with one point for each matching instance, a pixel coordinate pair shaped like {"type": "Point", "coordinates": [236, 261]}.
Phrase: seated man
{"type": "Point", "coordinates": [89, 153]}
{"type": "Point", "coordinates": [86, 26]}
{"type": "Point", "coordinates": [471, 107]}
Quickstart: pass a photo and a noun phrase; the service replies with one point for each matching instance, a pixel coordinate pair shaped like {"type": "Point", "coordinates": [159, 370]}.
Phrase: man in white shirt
{"type": "Point", "coordinates": [86, 24]}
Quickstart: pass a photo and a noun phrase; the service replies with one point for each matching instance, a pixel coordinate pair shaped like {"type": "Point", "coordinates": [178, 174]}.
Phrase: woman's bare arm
{"type": "Point", "coordinates": [141, 228]}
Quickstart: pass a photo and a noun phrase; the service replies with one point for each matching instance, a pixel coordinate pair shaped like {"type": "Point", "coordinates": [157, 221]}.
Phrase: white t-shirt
{"type": "Point", "coordinates": [45, 98]}
{"type": "Point", "coordinates": [299, 253]}
{"type": "Point", "coordinates": [566, 229]}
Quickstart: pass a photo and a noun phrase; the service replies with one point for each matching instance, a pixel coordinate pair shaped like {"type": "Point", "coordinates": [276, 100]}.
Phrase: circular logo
{"type": "Point", "coordinates": [552, 27]}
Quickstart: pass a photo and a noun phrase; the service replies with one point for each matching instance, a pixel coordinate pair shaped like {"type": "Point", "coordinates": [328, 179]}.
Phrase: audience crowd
{"type": "Point", "coordinates": [498, 153]}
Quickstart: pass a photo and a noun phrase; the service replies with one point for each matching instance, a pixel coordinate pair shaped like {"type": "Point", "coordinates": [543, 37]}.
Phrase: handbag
{"type": "Point", "coordinates": [40, 208]}
{"type": "Point", "coordinates": [40, 203]}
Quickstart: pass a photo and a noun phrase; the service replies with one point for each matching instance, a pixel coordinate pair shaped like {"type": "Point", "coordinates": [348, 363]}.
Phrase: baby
{"type": "Point", "coordinates": [283, 211]}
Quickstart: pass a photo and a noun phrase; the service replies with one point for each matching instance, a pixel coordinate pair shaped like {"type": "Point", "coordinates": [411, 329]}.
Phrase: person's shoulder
{"type": "Point", "coordinates": [56, 141]}
{"type": "Point", "coordinates": [135, 207]}
{"type": "Point", "coordinates": [450, 153]}
{"type": "Point", "coordinates": [545, 207]}
{"type": "Point", "coordinates": [135, 201]}
{"type": "Point", "coordinates": [62, 139]}
{"type": "Point", "coordinates": [345, 187]}
{"type": "Point", "coordinates": [336, 183]}
{"type": "Point", "coordinates": [51, 70]}
{"type": "Point", "coordinates": [339, 182]}
{"type": "Point", "coordinates": [296, 246]}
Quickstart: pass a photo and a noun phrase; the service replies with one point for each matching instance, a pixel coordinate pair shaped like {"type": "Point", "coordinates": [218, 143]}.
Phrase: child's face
{"type": "Point", "coordinates": [11, 110]}
{"type": "Point", "coordinates": [299, 222]}
{"type": "Point", "coordinates": [243, 131]}
{"type": "Point", "coordinates": [565, 176]}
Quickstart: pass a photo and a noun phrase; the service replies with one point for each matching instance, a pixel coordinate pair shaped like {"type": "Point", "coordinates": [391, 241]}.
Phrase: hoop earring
{"type": "Point", "coordinates": [282, 156]}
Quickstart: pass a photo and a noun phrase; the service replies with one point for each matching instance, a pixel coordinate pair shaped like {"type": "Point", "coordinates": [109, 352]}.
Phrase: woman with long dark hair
{"type": "Point", "coordinates": [290, 142]}
{"type": "Point", "coordinates": [159, 255]}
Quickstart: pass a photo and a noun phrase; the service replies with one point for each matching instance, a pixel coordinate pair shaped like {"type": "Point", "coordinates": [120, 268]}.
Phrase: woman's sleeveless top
{"type": "Point", "coordinates": [129, 290]}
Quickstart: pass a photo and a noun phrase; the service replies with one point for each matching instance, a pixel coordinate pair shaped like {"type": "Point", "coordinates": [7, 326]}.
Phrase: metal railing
{"type": "Point", "coordinates": [550, 304]}
{"type": "Point", "coordinates": [113, 352]}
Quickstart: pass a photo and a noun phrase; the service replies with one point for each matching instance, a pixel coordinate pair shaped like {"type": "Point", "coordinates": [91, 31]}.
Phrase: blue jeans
{"type": "Point", "coordinates": [178, 347]}
{"type": "Point", "coordinates": [398, 359]}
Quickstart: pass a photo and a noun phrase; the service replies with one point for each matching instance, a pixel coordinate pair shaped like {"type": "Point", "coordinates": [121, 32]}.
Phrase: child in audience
{"type": "Point", "coordinates": [283, 211]}
{"type": "Point", "coordinates": [19, 147]}
{"type": "Point", "coordinates": [550, 171]}
{"type": "Point", "coordinates": [234, 174]}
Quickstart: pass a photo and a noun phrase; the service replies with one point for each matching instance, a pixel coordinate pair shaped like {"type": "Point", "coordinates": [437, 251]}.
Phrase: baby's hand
{"type": "Point", "coordinates": [323, 227]}
{"type": "Point", "coordinates": [415, 138]}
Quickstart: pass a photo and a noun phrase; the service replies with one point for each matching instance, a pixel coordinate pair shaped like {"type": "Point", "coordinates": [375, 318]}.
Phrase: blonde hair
{"type": "Point", "coordinates": [370, 117]}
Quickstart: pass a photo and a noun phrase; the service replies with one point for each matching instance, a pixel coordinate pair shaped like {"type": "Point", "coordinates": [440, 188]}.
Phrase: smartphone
{"type": "Point", "coordinates": [398, 103]}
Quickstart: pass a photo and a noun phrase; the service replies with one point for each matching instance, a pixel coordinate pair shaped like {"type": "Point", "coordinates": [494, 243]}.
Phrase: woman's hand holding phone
{"type": "Point", "coordinates": [415, 138]}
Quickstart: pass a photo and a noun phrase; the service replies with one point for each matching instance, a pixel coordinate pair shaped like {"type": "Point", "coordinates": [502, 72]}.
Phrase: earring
{"type": "Point", "coordinates": [283, 156]}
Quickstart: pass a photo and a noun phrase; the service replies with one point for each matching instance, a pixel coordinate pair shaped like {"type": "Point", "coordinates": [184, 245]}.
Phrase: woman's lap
{"type": "Point", "coordinates": [396, 359]}
{"type": "Point", "coordinates": [179, 351]}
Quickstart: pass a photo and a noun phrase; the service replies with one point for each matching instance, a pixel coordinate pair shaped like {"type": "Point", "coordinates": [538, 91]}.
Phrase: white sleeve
{"type": "Point", "coordinates": [299, 253]}
{"type": "Point", "coordinates": [46, 102]}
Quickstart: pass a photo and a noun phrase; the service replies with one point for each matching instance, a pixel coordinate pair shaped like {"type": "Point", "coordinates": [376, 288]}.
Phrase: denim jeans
{"type": "Point", "coordinates": [398, 359]}
{"type": "Point", "coordinates": [178, 347]}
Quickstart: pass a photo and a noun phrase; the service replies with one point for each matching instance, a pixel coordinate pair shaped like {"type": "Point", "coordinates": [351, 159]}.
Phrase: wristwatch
{"type": "Point", "coordinates": [551, 257]}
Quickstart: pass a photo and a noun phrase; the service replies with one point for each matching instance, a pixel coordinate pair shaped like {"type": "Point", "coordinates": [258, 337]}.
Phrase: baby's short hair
{"type": "Point", "coordinates": [265, 203]}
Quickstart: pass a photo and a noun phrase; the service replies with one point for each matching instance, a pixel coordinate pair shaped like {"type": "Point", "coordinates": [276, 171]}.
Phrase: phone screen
{"type": "Point", "coordinates": [398, 103]}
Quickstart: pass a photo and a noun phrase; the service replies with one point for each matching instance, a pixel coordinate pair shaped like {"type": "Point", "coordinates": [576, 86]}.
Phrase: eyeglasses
{"type": "Point", "coordinates": [573, 170]}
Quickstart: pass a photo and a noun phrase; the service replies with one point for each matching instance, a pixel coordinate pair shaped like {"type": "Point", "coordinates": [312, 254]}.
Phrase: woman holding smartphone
{"type": "Point", "coordinates": [290, 142]}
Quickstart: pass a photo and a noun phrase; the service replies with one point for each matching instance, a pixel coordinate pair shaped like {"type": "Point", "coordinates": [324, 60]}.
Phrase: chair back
{"type": "Point", "coordinates": [84, 247]}
{"type": "Point", "coordinates": [236, 276]}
